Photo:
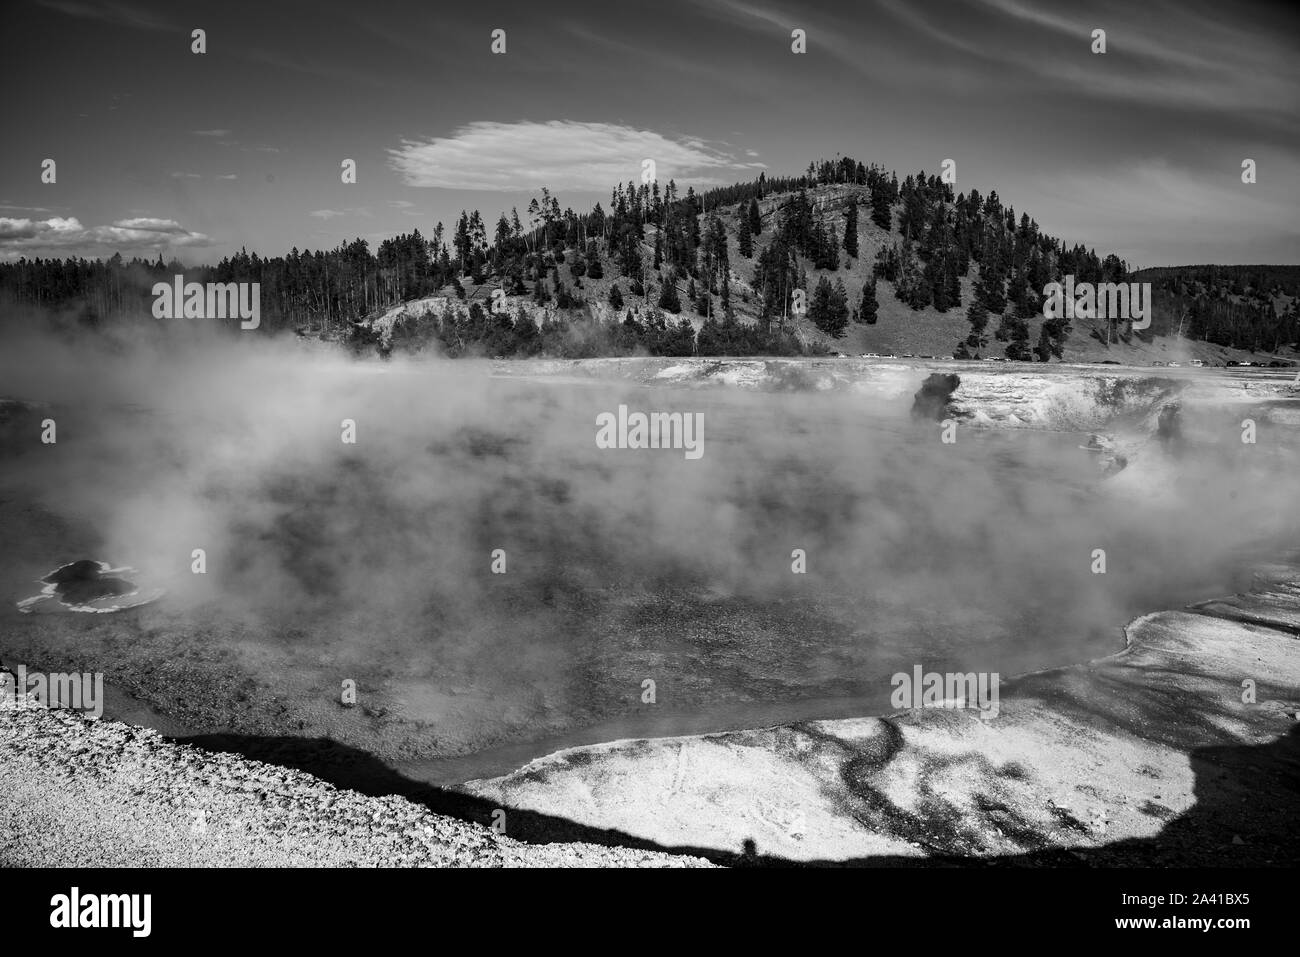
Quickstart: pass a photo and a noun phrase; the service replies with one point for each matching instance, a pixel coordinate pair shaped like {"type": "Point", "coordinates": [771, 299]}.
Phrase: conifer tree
{"type": "Point", "coordinates": [991, 290]}
{"type": "Point", "coordinates": [851, 229]}
{"type": "Point", "coordinates": [870, 307]}
{"type": "Point", "coordinates": [819, 306]}
{"type": "Point", "coordinates": [1018, 332]}
{"type": "Point", "coordinates": [978, 317]}
{"type": "Point", "coordinates": [837, 319]}
{"type": "Point", "coordinates": [668, 299]}
{"type": "Point", "coordinates": [829, 309]}
{"type": "Point", "coordinates": [881, 205]}
{"type": "Point", "coordinates": [745, 239]}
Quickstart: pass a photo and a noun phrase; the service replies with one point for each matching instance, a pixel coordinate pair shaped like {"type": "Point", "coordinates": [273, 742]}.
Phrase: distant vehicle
{"type": "Point", "coordinates": [870, 355]}
{"type": "Point", "coordinates": [890, 356]}
{"type": "Point", "coordinates": [1174, 365]}
{"type": "Point", "coordinates": [908, 355]}
{"type": "Point", "coordinates": [1197, 363]}
{"type": "Point", "coordinates": [1157, 363]}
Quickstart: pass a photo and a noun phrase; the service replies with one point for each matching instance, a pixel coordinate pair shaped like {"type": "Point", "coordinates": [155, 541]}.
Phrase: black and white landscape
{"type": "Point", "coordinates": [728, 433]}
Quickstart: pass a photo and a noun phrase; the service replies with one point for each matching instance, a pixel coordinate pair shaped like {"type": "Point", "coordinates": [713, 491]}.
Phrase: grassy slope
{"type": "Point", "coordinates": [899, 329]}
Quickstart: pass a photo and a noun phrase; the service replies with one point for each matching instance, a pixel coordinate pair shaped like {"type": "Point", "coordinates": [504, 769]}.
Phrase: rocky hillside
{"type": "Point", "coordinates": [828, 262]}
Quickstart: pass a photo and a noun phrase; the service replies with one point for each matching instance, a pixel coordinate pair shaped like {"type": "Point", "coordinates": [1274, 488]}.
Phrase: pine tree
{"type": "Point", "coordinates": [886, 265]}
{"type": "Point", "coordinates": [528, 338]}
{"type": "Point", "coordinates": [991, 289]}
{"type": "Point", "coordinates": [701, 301]}
{"type": "Point", "coordinates": [952, 286]}
{"type": "Point", "coordinates": [709, 340]}
{"type": "Point", "coordinates": [829, 309]}
{"type": "Point", "coordinates": [463, 242]}
{"type": "Point", "coordinates": [1053, 335]}
{"type": "Point", "coordinates": [1022, 298]}
{"type": "Point", "coordinates": [681, 340]}
{"type": "Point", "coordinates": [745, 239]}
{"type": "Point", "coordinates": [1044, 348]}
{"type": "Point", "coordinates": [881, 206]}
{"type": "Point", "coordinates": [656, 332]}
{"type": "Point", "coordinates": [937, 288]}
{"type": "Point", "coordinates": [851, 229]}
{"type": "Point", "coordinates": [911, 286]}
{"type": "Point", "coordinates": [616, 296]}
{"type": "Point", "coordinates": [978, 317]}
{"type": "Point", "coordinates": [755, 219]}
{"type": "Point", "coordinates": [668, 299]}
{"type": "Point", "coordinates": [870, 307]}
{"type": "Point", "coordinates": [1018, 348]}
{"type": "Point", "coordinates": [837, 319]}
{"type": "Point", "coordinates": [820, 306]}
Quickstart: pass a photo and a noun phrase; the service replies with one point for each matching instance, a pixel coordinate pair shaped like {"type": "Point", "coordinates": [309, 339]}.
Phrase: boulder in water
{"type": "Point", "coordinates": [932, 399]}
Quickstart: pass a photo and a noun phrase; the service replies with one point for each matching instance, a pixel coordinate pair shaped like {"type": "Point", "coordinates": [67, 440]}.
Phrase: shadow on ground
{"type": "Point", "coordinates": [1246, 811]}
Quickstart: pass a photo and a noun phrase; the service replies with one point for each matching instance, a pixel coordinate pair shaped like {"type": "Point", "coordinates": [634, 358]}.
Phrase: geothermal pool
{"type": "Point", "coordinates": [495, 586]}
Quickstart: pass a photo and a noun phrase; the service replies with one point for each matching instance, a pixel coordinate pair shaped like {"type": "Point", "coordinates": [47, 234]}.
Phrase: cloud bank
{"type": "Point", "coordinates": [67, 236]}
{"type": "Point", "coordinates": [560, 154]}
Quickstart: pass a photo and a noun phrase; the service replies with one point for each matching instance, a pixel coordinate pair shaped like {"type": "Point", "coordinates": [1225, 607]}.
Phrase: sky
{"type": "Point", "coordinates": [158, 149]}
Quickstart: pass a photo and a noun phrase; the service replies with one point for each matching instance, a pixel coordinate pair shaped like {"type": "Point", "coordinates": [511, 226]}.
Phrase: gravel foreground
{"type": "Point", "coordinates": [1147, 757]}
{"type": "Point", "coordinates": [80, 792]}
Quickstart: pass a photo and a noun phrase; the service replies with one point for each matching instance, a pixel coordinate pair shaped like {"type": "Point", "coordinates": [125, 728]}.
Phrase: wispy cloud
{"type": "Point", "coordinates": [122, 14]}
{"type": "Point", "coordinates": [561, 154]}
{"type": "Point", "coordinates": [332, 68]}
{"type": "Point", "coordinates": [335, 213]}
{"type": "Point", "coordinates": [1157, 205]}
{"type": "Point", "coordinates": [69, 236]}
{"type": "Point", "coordinates": [1196, 60]}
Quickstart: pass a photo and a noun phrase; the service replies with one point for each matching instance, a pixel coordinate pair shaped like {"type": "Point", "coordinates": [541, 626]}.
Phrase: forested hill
{"type": "Point", "coordinates": [843, 257]}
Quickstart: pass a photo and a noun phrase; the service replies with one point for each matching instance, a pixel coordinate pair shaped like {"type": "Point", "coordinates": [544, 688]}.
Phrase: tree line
{"type": "Point", "coordinates": [655, 253]}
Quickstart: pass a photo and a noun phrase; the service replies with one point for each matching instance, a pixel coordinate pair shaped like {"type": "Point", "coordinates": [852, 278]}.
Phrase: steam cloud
{"type": "Point", "coordinates": [622, 564]}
